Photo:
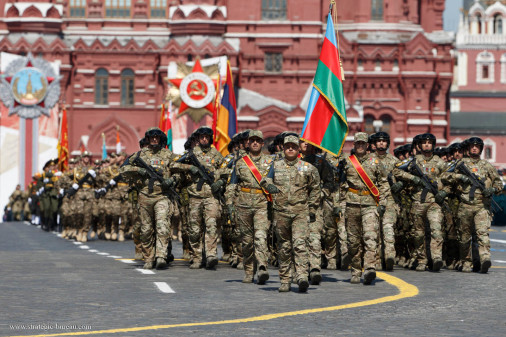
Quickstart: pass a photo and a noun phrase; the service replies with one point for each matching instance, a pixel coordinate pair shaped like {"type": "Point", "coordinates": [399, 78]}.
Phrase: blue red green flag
{"type": "Point", "coordinates": [325, 125]}
{"type": "Point", "coordinates": [226, 121]}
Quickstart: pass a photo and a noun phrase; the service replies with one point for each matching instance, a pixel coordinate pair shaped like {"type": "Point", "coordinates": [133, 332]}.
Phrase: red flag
{"type": "Point", "coordinates": [161, 123]}
{"type": "Point", "coordinates": [63, 142]}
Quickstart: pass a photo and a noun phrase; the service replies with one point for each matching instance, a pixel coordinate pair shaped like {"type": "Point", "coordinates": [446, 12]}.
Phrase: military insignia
{"type": "Point", "coordinates": [433, 169]}
{"type": "Point", "coordinates": [475, 169]}
{"type": "Point", "coordinates": [29, 87]}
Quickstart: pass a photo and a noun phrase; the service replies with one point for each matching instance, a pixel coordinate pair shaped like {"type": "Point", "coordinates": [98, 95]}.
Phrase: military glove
{"type": "Point", "coordinates": [92, 173]}
{"type": "Point", "coordinates": [231, 210]}
{"type": "Point", "coordinates": [167, 183]}
{"type": "Point", "coordinates": [440, 197]}
{"type": "Point", "coordinates": [194, 170]}
{"type": "Point", "coordinates": [381, 210]}
{"type": "Point", "coordinates": [216, 186]}
{"type": "Point", "coordinates": [337, 212]}
{"type": "Point", "coordinates": [397, 187]}
{"type": "Point", "coordinates": [465, 179]}
{"type": "Point", "coordinates": [488, 192]}
{"type": "Point", "coordinates": [142, 172]}
{"type": "Point", "coordinates": [416, 180]}
{"type": "Point", "coordinates": [312, 217]}
{"type": "Point", "coordinates": [272, 189]}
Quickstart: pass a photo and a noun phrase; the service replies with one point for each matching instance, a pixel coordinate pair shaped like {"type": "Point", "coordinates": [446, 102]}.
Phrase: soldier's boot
{"type": "Point", "coordinates": [121, 235]}
{"type": "Point", "coordinates": [436, 266]}
{"type": "Point", "coordinates": [160, 263]}
{"type": "Point", "coordinates": [148, 265]}
{"type": "Point", "coordinates": [92, 234]}
{"type": "Point", "coordinates": [285, 287]}
{"type": "Point", "coordinates": [332, 265]}
{"type": "Point", "coordinates": [467, 267]}
{"type": "Point", "coordinates": [303, 285]}
{"type": "Point", "coordinates": [226, 257]}
{"type": "Point", "coordinates": [451, 266]}
{"type": "Point", "coordinates": [355, 279]}
{"type": "Point", "coordinates": [315, 277]}
{"type": "Point", "coordinates": [107, 235]}
{"type": "Point", "coordinates": [212, 261]}
{"type": "Point", "coordinates": [421, 267]}
{"type": "Point", "coordinates": [263, 275]}
{"type": "Point", "coordinates": [196, 265]}
{"type": "Point", "coordinates": [345, 262]}
{"type": "Point", "coordinates": [240, 266]}
{"type": "Point", "coordinates": [369, 276]}
{"type": "Point", "coordinates": [186, 254]}
{"type": "Point", "coordinates": [138, 255]}
{"type": "Point", "coordinates": [402, 262]}
{"type": "Point", "coordinates": [84, 237]}
{"type": "Point", "coordinates": [114, 236]}
{"type": "Point", "coordinates": [411, 263]}
{"type": "Point", "coordinates": [485, 265]}
{"type": "Point", "coordinates": [248, 278]}
{"type": "Point", "coordinates": [389, 263]}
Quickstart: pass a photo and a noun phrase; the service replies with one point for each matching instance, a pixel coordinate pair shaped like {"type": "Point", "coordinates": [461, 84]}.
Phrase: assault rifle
{"type": "Point", "coordinates": [112, 183]}
{"type": "Point", "coordinates": [476, 183]}
{"type": "Point", "coordinates": [73, 190]}
{"type": "Point", "coordinates": [154, 175]}
{"type": "Point", "coordinates": [429, 185]}
{"type": "Point", "coordinates": [205, 175]}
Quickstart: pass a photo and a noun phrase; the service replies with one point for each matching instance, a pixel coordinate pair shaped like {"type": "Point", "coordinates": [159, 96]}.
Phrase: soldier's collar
{"type": "Point", "coordinates": [291, 162]}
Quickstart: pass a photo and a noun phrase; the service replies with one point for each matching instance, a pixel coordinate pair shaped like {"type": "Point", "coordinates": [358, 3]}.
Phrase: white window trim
{"type": "Point", "coordinates": [485, 58]}
{"type": "Point", "coordinates": [503, 68]}
{"type": "Point", "coordinates": [493, 145]}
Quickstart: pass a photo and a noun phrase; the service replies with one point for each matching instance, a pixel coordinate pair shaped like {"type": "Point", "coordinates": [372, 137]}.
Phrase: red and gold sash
{"type": "Point", "coordinates": [365, 178]}
{"type": "Point", "coordinates": [257, 175]}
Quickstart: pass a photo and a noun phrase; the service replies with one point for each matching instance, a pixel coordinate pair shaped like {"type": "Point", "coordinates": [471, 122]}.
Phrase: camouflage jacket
{"type": "Point", "coordinates": [242, 178]}
{"type": "Point", "coordinates": [388, 162]}
{"type": "Point", "coordinates": [484, 171]}
{"type": "Point", "coordinates": [354, 189]}
{"type": "Point", "coordinates": [299, 185]}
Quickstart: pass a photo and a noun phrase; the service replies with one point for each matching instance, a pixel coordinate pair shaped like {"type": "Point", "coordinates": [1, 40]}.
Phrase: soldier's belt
{"type": "Point", "coordinates": [49, 185]}
{"type": "Point", "coordinates": [251, 190]}
{"type": "Point", "coordinates": [359, 192]}
{"type": "Point", "coordinates": [122, 184]}
{"type": "Point", "coordinates": [86, 186]}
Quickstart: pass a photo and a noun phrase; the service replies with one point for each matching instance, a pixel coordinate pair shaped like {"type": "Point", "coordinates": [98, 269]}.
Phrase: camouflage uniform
{"type": "Point", "coordinates": [84, 204]}
{"type": "Point", "coordinates": [16, 204]}
{"type": "Point", "coordinates": [154, 206]}
{"type": "Point", "coordinates": [425, 208]}
{"type": "Point", "coordinates": [299, 197]}
{"type": "Point", "coordinates": [362, 218]}
{"type": "Point", "coordinates": [245, 193]}
{"type": "Point", "coordinates": [474, 212]}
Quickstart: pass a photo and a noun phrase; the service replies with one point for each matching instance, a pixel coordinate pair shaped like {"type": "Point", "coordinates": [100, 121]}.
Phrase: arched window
{"type": "Point", "coordinates": [497, 24]}
{"type": "Point", "coordinates": [377, 10]}
{"type": "Point", "coordinates": [386, 125]}
{"type": "Point", "coordinates": [478, 23]}
{"type": "Point", "coordinates": [101, 87]}
{"type": "Point", "coordinates": [127, 87]}
{"type": "Point", "coordinates": [485, 67]}
{"type": "Point", "coordinates": [368, 124]}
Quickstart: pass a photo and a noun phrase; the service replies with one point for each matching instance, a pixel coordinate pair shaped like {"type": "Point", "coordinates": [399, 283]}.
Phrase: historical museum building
{"type": "Point", "coordinates": [115, 56]}
{"type": "Point", "coordinates": [479, 90]}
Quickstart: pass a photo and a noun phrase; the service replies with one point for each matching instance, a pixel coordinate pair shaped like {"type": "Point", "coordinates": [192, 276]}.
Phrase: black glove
{"type": "Point", "coordinates": [142, 172]}
{"type": "Point", "coordinates": [465, 179]}
{"type": "Point", "coordinates": [167, 183]}
{"type": "Point", "coordinates": [194, 170]}
{"type": "Point", "coordinates": [337, 211]}
{"type": "Point", "coordinates": [416, 180]}
{"type": "Point", "coordinates": [216, 186]}
{"type": "Point", "coordinates": [488, 192]}
{"type": "Point", "coordinates": [397, 187]}
{"type": "Point", "coordinates": [440, 197]}
{"type": "Point", "coordinates": [381, 210]}
{"type": "Point", "coordinates": [231, 211]}
{"type": "Point", "coordinates": [272, 189]}
{"type": "Point", "coordinates": [312, 217]}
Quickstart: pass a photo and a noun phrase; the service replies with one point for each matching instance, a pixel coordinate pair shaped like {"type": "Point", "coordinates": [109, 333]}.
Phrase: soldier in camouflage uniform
{"type": "Point", "coordinates": [381, 140]}
{"type": "Point", "coordinates": [84, 197]}
{"type": "Point", "coordinates": [204, 205]}
{"type": "Point", "coordinates": [426, 204]}
{"type": "Point", "coordinates": [363, 210]}
{"type": "Point", "coordinates": [475, 204]}
{"type": "Point", "coordinates": [15, 204]}
{"type": "Point", "coordinates": [296, 188]}
{"type": "Point", "coordinates": [154, 205]}
{"type": "Point", "coordinates": [249, 202]}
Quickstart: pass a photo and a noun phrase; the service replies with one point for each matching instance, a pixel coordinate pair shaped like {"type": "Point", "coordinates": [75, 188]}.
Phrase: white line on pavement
{"type": "Point", "coordinates": [84, 247]}
{"type": "Point", "coordinates": [99, 253]}
{"type": "Point", "coordinates": [499, 261]}
{"type": "Point", "coordinates": [115, 256]}
{"type": "Point", "coordinates": [77, 243]}
{"type": "Point", "coordinates": [145, 271]}
{"type": "Point", "coordinates": [164, 287]}
{"type": "Point", "coordinates": [498, 241]}
{"type": "Point", "coordinates": [127, 261]}
{"type": "Point", "coordinates": [93, 251]}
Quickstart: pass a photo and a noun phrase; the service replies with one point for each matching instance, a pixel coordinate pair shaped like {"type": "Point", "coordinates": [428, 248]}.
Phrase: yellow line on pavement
{"type": "Point", "coordinates": [125, 259]}
{"type": "Point", "coordinates": [492, 230]}
{"type": "Point", "coordinates": [498, 267]}
{"type": "Point", "coordinates": [406, 290]}
{"type": "Point", "coordinates": [504, 230]}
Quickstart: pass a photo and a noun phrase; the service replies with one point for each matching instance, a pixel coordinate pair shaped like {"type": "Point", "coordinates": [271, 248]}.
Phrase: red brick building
{"type": "Point", "coordinates": [114, 57]}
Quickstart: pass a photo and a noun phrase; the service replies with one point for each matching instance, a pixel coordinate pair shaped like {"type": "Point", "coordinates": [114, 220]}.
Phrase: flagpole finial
{"type": "Point", "coordinates": [103, 135]}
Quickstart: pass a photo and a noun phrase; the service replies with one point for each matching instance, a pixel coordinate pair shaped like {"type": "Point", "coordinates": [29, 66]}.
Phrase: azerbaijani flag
{"type": "Point", "coordinates": [63, 142]}
{"type": "Point", "coordinates": [325, 125]}
{"type": "Point", "coordinates": [226, 122]}
{"type": "Point", "coordinates": [168, 127]}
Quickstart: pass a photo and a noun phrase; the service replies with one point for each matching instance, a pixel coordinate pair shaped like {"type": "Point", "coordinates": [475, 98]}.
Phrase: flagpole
{"type": "Point", "coordinates": [333, 5]}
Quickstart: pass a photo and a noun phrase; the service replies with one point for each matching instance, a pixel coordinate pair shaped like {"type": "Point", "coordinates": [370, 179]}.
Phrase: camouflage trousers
{"type": "Point", "coordinates": [292, 232]}
{"type": "Point", "coordinates": [362, 223]}
{"type": "Point", "coordinates": [155, 214]}
{"type": "Point", "coordinates": [254, 225]}
{"type": "Point", "coordinates": [203, 226]}
{"type": "Point", "coordinates": [450, 238]}
{"type": "Point", "coordinates": [136, 232]}
{"type": "Point", "coordinates": [431, 213]}
{"type": "Point", "coordinates": [386, 234]}
{"type": "Point", "coordinates": [83, 209]}
{"type": "Point", "coordinates": [474, 219]}
{"type": "Point", "coordinates": [314, 242]}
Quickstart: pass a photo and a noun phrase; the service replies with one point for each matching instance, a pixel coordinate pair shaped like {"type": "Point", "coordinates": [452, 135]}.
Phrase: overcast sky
{"type": "Point", "coordinates": [451, 15]}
